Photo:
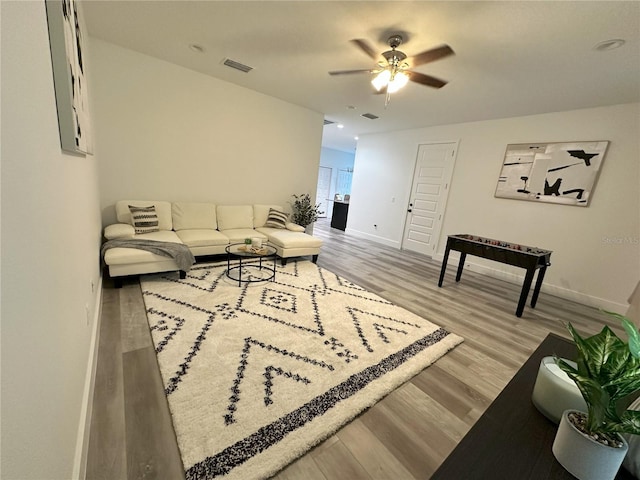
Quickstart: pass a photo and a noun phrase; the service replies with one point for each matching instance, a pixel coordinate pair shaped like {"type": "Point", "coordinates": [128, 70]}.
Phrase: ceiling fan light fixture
{"type": "Point", "coordinates": [392, 73]}
{"type": "Point", "coordinates": [399, 80]}
{"type": "Point", "coordinates": [381, 80]}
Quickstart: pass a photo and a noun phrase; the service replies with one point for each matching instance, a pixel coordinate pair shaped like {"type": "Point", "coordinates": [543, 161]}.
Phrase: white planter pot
{"type": "Point", "coordinates": [554, 392]}
{"type": "Point", "coordinates": [583, 457]}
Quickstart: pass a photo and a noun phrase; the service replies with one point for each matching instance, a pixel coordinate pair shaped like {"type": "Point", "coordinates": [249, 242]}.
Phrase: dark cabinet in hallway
{"type": "Point", "coordinates": [339, 216]}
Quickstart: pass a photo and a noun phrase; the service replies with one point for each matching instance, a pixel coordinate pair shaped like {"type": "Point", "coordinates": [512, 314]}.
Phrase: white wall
{"type": "Point", "coordinates": [50, 256]}
{"type": "Point", "coordinates": [168, 133]}
{"type": "Point", "coordinates": [596, 250]}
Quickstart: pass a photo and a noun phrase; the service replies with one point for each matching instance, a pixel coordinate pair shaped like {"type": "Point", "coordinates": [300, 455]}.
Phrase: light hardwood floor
{"type": "Point", "coordinates": [407, 435]}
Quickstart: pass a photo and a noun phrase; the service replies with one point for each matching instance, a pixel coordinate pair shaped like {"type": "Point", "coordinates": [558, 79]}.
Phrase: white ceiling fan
{"type": "Point", "coordinates": [394, 71]}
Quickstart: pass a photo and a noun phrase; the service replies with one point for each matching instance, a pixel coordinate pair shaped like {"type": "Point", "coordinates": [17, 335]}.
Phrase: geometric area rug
{"type": "Point", "coordinates": [257, 375]}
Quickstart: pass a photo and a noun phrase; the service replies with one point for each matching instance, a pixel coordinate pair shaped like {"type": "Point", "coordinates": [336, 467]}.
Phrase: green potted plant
{"type": "Point", "coordinates": [304, 212]}
{"type": "Point", "coordinates": [589, 444]}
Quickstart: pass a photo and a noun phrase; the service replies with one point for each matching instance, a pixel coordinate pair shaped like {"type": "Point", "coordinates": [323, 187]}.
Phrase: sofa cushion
{"type": "Point", "coordinates": [276, 219]}
{"type": "Point", "coordinates": [145, 219]}
{"type": "Point", "coordinates": [261, 212]}
{"type": "Point", "coordinates": [161, 236]}
{"type": "Point", "coordinates": [238, 235]}
{"type": "Point", "coordinates": [191, 215]}
{"type": "Point", "coordinates": [234, 217]}
{"type": "Point", "coordinates": [288, 239]}
{"type": "Point", "coordinates": [163, 210]}
{"type": "Point", "coordinates": [202, 237]}
{"type": "Point", "coordinates": [124, 256]}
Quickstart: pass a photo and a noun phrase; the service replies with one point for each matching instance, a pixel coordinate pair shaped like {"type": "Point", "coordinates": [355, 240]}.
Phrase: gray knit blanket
{"type": "Point", "coordinates": [179, 252]}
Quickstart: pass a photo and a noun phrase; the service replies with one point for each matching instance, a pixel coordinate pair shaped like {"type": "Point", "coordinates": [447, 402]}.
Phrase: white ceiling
{"type": "Point", "coordinates": [512, 58]}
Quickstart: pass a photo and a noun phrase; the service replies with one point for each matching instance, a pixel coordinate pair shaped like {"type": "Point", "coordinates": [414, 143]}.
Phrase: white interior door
{"type": "Point", "coordinates": [323, 189]}
{"type": "Point", "coordinates": [431, 179]}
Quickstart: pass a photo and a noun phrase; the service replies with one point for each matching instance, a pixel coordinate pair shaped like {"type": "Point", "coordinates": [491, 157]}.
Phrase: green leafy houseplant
{"type": "Point", "coordinates": [608, 376]}
{"type": "Point", "coordinates": [304, 212]}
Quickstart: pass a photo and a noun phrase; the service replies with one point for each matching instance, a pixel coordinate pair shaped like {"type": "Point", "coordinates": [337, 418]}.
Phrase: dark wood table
{"type": "Point", "coordinates": [512, 439]}
{"type": "Point", "coordinates": [523, 256]}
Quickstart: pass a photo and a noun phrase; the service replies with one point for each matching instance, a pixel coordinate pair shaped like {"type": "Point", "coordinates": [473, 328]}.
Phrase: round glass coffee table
{"type": "Point", "coordinates": [247, 269]}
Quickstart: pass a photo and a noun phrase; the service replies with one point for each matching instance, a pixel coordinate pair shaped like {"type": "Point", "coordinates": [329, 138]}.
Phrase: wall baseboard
{"type": "Point", "coordinates": [84, 426]}
{"type": "Point", "coordinates": [551, 289]}
{"type": "Point", "coordinates": [517, 279]}
{"type": "Point", "coordinates": [373, 238]}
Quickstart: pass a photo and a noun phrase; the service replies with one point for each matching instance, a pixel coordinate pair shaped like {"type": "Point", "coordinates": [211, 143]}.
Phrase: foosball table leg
{"type": "Point", "coordinates": [463, 257]}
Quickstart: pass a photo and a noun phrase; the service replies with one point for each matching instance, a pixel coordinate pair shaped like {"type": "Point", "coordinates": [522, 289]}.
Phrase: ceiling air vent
{"type": "Point", "coordinates": [370, 116]}
{"type": "Point", "coordinates": [237, 65]}
{"type": "Point", "coordinates": [328, 122]}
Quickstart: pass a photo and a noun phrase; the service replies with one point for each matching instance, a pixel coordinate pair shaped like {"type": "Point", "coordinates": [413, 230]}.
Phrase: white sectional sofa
{"type": "Point", "coordinates": [205, 228]}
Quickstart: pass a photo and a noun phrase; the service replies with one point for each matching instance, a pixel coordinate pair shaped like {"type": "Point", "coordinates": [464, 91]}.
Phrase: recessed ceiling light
{"type": "Point", "coordinates": [355, 138]}
{"type": "Point", "coordinates": [340, 125]}
{"type": "Point", "coordinates": [607, 45]}
{"type": "Point", "coordinates": [194, 47]}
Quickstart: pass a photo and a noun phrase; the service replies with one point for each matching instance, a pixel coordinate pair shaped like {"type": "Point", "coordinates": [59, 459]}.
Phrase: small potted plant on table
{"type": "Point", "coordinates": [589, 444]}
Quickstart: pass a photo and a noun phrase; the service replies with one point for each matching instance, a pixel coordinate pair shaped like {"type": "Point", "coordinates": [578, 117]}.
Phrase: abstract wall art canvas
{"type": "Point", "coordinates": [66, 39]}
{"type": "Point", "coordinates": [563, 173]}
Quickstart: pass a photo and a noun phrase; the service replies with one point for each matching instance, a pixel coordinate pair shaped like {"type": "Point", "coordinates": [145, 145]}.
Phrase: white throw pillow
{"type": "Point", "coordinates": [294, 227]}
{"type": "Point", "coordinates": [119, 230]}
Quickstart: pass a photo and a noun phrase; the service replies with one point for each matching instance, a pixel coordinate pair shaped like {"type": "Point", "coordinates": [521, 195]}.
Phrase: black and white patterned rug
{"type": "Point", "coordinates": [257, 375]}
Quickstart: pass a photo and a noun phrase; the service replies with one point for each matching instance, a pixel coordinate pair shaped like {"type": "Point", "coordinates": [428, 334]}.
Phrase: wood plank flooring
{"type": "Point", "coordinates": [407, 435]}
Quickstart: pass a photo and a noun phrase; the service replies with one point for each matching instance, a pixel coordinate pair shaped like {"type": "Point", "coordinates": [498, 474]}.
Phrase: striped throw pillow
{"type": "Point", "coordinates": [145, 219]}
{"type": "Point", "coordinates": [276, 219]}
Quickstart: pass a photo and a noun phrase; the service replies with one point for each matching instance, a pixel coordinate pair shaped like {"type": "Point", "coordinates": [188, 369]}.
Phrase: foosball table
{"type": "Point", "coordinates": [529, 258]}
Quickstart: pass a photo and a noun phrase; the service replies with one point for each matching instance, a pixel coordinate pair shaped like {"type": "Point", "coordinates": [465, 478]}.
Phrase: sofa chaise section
{"type": "Point", "coordinates": [290, 241]}
{"type": "Point", "coordinates": [132, 261]}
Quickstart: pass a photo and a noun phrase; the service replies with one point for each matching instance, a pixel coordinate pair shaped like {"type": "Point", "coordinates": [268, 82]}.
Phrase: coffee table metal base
{"type": "Point", "coordinates": [267, 272]}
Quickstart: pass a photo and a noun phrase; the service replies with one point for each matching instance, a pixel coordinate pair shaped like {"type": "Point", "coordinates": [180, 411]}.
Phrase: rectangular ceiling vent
{"type": "Point", "coordinates": [370, 116]}
{"type": "Point", "coordinates": [237, 65]}
{"type": "Point", "coordinates": [328, 122]}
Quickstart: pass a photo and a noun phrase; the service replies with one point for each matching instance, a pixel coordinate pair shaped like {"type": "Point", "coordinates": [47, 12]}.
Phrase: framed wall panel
{"type": "Point", "coordinates": [66, 39]}
{"type": "Point", "coordinates": [563, 173]}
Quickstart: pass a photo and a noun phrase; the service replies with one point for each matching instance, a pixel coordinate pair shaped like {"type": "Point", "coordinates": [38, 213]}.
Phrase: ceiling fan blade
{"type": "Point", "coordinates": [349, 72]}
{"type": "Point", "coordinates": [366, 47]}
{"type": "Point", "coordinates": [423, 79]}
{"type": "Point", "coordinates": [431, 55]}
